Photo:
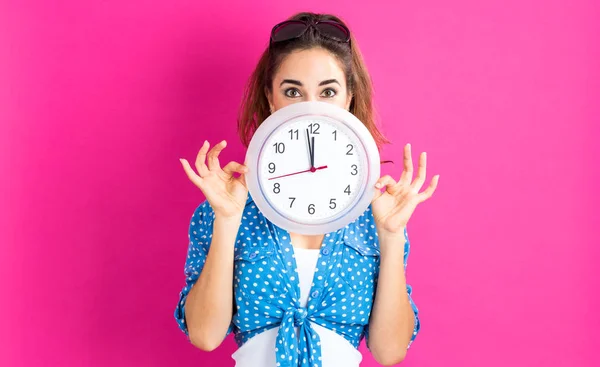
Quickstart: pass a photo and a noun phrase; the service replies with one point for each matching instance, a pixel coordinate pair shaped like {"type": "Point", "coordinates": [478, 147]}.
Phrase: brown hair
{"type": "Point", "coordinates": [255, 105]}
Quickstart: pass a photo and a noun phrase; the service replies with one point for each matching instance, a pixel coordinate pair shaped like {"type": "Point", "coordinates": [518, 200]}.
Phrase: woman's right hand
{"type": "Point", "coordinates": [226, 193]}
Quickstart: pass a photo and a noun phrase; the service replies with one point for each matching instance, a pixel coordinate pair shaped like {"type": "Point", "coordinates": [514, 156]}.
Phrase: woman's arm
{"type": "Point", "coordinates": [392, 319]}
{"type": "Point", "coordinates": [209, 305]}
{"type": "Point", "coordinates": [392, 322]}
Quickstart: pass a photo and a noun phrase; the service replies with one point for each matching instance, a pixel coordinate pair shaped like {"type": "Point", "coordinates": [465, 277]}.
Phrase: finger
{"type": "Point", "coordinates": [201, 158]}
{"type": "Point", "coordinates": [376, 194]}
{"type": "Point", "coordinates": [213, 156]}
{"type": "Point", "coordinates": [407, 172]}
{"type": "Point", "coordinates": [234, 167]}
{"type": "Point", "coordinates": [243, 175]}
{"type": "Point", "coordinates": [421, 172]}
{"type": "Point", "coordinates": [242, 179]}
{"type": "Point", "coordinates": [430, 189]}
{"type": "Point", "coordinates": [386, 181]}
{"type": "Point", "coordinates": [197, 180]}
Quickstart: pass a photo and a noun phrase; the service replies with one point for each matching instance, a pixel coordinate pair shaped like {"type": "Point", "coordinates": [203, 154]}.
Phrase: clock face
{"type": "Point", "coordinates": [312, 167]}
{"type": "Point", "coordinates": [305, 194]}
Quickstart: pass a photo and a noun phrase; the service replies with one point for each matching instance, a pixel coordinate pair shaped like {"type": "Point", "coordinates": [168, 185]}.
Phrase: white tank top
{"type": "Point", "coordinates": [336, 351]}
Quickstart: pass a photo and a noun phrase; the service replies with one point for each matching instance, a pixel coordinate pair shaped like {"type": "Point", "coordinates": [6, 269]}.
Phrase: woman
{"type": "Point", "coordinates": [290, 299]}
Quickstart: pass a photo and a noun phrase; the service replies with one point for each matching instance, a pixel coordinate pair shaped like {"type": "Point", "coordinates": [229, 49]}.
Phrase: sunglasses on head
{"type": "Point", "coordinates": [291, 29]}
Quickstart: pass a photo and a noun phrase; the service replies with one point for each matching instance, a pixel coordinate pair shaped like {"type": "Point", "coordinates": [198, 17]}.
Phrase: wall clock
{"type": "Point", "coordinates": [312, 167]}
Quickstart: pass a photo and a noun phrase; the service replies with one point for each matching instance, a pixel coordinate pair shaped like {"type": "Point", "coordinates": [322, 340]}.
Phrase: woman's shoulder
{"type": "Point", "coordinates": [205, 212]}
{"type": "Point", "coordinates": [365, 224]}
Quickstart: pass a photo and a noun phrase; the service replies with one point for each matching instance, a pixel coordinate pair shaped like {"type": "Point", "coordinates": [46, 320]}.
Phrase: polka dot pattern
{"type": "Point", "coordinates": [266, 287]}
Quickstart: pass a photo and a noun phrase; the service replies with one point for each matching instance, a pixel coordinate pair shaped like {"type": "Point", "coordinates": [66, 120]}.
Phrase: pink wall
{"type": "Point", "coordinates": [98, 100]}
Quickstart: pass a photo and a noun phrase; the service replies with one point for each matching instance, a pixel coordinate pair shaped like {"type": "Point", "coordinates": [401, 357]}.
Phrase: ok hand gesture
{"type": "Point", "coordinates": [226, 193]}
{"type": "Point", "coordinates": [393, 208]}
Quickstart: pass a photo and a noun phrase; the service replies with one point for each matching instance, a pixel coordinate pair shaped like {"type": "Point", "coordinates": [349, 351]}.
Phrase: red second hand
{"type": "Point", "coordinates": [313, 169]}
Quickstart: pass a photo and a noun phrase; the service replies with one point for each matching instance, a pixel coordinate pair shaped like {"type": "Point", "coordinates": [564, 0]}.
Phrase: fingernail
{"type": "Point", "coordinates": [378, 185]}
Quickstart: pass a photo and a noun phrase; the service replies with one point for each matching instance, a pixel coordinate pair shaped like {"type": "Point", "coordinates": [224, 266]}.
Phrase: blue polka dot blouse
{"type": "Point", "coordinates": [267, 291]}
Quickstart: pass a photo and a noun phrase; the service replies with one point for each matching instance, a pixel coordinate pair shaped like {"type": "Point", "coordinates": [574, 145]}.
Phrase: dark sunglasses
{"type": "Point", "coordinates": [291, 29]}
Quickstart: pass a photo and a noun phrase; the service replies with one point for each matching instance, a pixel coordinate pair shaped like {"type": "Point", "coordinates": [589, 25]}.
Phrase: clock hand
{"type": "Point", "coordinates": [312, 157]}
{"type": "Point", "coordinates": [310, 151]}
{"type": "Point", "coordinates": [312, 169]}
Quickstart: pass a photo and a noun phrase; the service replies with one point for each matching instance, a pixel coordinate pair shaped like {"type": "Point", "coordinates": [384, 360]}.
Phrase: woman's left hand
{"type": "Point", "coordinates": [393, 208]}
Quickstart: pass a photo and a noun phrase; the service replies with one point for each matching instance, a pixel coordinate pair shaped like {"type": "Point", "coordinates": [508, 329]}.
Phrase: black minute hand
{"type": "Point", "coordinates": [310, 149]}
{"type": "Point", "coordinates": [312, 156]}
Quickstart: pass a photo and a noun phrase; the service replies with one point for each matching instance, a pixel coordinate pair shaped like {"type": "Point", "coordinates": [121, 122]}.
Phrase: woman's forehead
{"type": "Point", "coordinates": [310, 66]}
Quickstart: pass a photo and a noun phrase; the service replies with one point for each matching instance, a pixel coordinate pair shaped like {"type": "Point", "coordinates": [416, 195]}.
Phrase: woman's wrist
{"type": "Point", "coordinates": [228, 220]}
{"type": "Point", "coordinates": [393, 241]}
{"type": "Point", "coordinates": [225, 229]}
{"type": "Point", "coordinates": [393, 236]}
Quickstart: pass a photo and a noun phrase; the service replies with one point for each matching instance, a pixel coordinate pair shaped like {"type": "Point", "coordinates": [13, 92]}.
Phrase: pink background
{"type": "Point", "coordinates": [99, 99]}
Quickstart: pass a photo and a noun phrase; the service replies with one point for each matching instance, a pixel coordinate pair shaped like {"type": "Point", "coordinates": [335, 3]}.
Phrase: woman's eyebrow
{"type": "Point", "coordinates": [299, 83]}
{"type": "Point", "coordinates": [329, 81]}
{"type": "Point", "coordinates": [291, 81]}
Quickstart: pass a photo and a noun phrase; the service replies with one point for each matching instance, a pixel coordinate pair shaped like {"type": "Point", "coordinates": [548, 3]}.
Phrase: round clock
{"type": "Point", "coordinates": [312, 167]}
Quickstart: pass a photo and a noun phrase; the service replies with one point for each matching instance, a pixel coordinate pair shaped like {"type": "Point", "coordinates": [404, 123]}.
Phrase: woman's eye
{"type": "Point", "coordinates": [292, 93]}
{"type": "Point", "coordinates": [329, 93]}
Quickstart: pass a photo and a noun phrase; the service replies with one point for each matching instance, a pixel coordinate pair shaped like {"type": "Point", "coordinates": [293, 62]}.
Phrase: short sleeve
{"type": "Point", "coordinates": [200, 236]}
{"type": "Point", "coordinates": [409, 291]}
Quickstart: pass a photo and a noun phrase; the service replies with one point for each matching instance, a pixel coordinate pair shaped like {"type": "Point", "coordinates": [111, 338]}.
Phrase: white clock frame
{"type": "Point", "coordinates": [312, 111]}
